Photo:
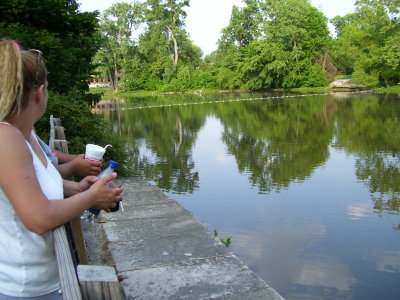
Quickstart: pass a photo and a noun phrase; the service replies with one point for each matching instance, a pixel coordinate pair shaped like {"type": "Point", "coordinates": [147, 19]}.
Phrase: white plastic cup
{"type": "Point", "coordinates": [94, 152]}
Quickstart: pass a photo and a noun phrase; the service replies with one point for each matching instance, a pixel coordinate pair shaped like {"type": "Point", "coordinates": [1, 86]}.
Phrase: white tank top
{"type": "Point", "coordinates": [28, 265]}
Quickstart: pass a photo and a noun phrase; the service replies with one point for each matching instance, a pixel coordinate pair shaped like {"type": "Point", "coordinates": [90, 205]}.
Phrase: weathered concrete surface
{"type": "Point", "coordinates": [164, 253]}
{"type": "Point", "coordinates": [345, 83]}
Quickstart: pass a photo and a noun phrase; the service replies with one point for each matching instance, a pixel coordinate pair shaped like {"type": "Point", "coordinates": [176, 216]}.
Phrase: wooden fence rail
{"type": "Point", "coordinates": [82, 281]}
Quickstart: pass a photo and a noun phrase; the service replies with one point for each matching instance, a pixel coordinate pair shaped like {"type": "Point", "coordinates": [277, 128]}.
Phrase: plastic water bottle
{"type": "Point", "coordinates": [91, 215]}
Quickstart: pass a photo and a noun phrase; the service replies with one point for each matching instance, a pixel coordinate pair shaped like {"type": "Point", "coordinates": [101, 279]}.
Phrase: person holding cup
{"type": "Point", "coordinates": [71, 164]}
{"type": "Point", "coordinates": [76, 164]}
{"type": "Point", "coordinates": [32, 192]}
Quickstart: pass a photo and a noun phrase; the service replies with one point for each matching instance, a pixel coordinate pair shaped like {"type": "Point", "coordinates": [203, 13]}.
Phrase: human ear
{"type": "Point", "coordinates": [39, 93]}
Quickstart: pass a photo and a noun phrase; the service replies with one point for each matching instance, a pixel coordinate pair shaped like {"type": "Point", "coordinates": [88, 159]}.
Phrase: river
{"type": "Point", "coordinates": [307, 186]}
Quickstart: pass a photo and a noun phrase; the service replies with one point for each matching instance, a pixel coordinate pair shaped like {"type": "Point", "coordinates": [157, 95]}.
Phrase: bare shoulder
{"type": "Point", "coordinates": [9, 133]}
{"type": "Point", "coordinates": [13, 143]}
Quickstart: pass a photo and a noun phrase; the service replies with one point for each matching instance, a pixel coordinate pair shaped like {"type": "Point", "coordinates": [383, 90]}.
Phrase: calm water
{"type": "Point", "coordinates": [307, 187]}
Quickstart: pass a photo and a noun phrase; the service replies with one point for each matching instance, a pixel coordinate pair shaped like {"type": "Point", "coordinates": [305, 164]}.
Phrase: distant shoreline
{"type": "Point", "coordinates": [108, 94]}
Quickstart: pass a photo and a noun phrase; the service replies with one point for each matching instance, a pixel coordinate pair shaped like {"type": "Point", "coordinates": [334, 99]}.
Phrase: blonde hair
{"type": "Point", "coordinates": [20, 73]}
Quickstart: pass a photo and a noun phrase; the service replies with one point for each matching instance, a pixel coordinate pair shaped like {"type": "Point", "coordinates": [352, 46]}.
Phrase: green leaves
{"type": "Point", "coordinates": [278, 41]}
{"type": "Point", "coordinates": [371, 35]}
{"type": "Point", "coordinates": [65, 36]}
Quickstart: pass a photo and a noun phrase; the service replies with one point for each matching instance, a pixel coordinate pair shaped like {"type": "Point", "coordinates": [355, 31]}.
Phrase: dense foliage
{"type": "Point", "coordinates": [65, 36]}
{"type": "Point", "coordinates": [273, 43]}
{"type": "Point", "coordinates": [368, 42]}
{"type": "Point", "coordinates": [267, 44]}
{"type": "Point", "coordinates": [68, 39]}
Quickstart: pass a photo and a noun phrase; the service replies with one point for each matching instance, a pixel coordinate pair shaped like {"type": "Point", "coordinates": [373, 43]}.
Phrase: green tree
{"type": "Point", "coordinates": [160, 52]}
{"type": "Point", "coordinates": [370, 35]}
{"type": "Point", "coordinates": [68, 40]}
{"type": "Point", "coordinates": [168, 18]}
{"type": "Point", "coordinates": [274, 43]}
{"type": "Point", "coordinates": [117, 26]}
{"type": "Point", "coordinates": [244, 25]}
{"type": "Point", "coordinates": [65, 35]}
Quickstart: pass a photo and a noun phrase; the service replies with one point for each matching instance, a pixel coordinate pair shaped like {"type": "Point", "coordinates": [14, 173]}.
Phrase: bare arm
{"type": "Point", "coordinates": [70, 164]}
{"type": "Point", "coordinates": [64, 157]}
{"type": "Point", "coordinates": [22, 188]}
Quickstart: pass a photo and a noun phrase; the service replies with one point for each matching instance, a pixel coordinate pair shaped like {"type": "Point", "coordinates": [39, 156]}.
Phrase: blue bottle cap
{"type": "Point", "coordinates": [112, 164]}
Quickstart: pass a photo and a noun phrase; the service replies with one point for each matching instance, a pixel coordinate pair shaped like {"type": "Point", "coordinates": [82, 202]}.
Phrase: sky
{"type": "Point", "coordinates": [206, 18]}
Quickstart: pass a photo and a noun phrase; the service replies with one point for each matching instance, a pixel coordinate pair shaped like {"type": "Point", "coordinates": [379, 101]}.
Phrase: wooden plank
{"type": "Point", "coordinates": [99, 282]}
{"type": "Point", "coordinates": [59, 132]}
{"type": "Point", "coordinates": [79, 240]}
{"type": "Point", "coordinates": [69, 282]}
{"type": "Point", "coordinates": [60, 145]}
{"type": "Point", "coordinates": [52, 133]}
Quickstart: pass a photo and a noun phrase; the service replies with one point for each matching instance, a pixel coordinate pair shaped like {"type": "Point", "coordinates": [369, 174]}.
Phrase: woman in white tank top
{"type": "Point", "coordinates": [29, 182]}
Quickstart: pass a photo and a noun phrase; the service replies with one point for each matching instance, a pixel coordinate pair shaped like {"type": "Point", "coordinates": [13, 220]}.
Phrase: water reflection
{"type": "Point", "coordinates": [308, 187]}
{"type": "Point", "coordinates": [278, 142]}
{"type": "Point", "coordinates": [331, 278]}
{"type": "Point", "coordinates": [359, 210]}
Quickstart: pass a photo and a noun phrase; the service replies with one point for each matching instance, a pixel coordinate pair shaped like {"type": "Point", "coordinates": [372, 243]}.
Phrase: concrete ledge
{"type": "Point", "coordinates": [164, 253]}
{"type": "Point", "coordinates": [197, 279]}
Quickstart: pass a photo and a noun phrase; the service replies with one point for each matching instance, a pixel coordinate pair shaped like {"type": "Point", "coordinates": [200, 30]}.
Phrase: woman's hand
{"type": "Point", "coordinates": [83, 167]}
{"type": "Point", "coordinates": [86, 183]}
{"type": "Point", "coordinates": [106, 195]}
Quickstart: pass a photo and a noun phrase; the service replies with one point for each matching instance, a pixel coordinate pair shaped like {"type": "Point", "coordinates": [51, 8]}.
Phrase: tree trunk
{"type": "Point", "coordinates": [111, 80]}
{"type": "Point", "coordinates": [175, 57]}
{"type": "Point", "coordinates": [110, 75]}
{"type": "Point", "coordinates": [115, 70]}
{"type": "Point", "coordinates": [324, 61]}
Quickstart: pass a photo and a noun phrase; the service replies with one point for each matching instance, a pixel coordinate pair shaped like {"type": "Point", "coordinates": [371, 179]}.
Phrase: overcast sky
{"type": "Point", "coordinates": [206, 18]}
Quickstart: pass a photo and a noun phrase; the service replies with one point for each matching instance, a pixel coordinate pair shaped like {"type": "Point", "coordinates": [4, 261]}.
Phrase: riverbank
{"type": "Point", "coordinates": [107, 94]}
{"type": "Point", "coordinates": [161, 252]}
{"type": "Point", "coordinates": [391, 89]}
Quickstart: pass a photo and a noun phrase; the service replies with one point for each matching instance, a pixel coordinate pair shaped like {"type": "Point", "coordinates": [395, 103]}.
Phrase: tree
{"type": "Point", "coordinates": [117, 26]}
{"type": "Point", "coordinates": [145, 46]}
{"type": "Point", "coordinates": [279, 43]}
{"type": "Point", "coordinates": [370, 34]}
{"type": "Point", "coordinates": [167, 17]}
{"type": "Point", "coordinates": [162, 50]}
{"type": "Point", "coordinates": [244, 25]}
{"type": "Point", "coordinates": [65, 35]}
{"type": "Point", "coordinates": [69, 41]}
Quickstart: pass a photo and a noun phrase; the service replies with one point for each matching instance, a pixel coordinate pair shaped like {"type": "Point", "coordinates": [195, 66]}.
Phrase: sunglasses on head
{"type": "Point", "coordinates": [39, 55]}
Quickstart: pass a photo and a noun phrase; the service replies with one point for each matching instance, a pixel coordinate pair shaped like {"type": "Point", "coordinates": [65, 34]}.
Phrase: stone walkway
{"type": "Point", "coordinates": [162, 252]}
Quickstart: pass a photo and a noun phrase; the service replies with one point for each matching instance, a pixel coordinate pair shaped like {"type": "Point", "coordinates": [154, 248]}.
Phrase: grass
{"type": "Point", "coordinates": [391, 89]}
{"type": "Point", "coordinates": [311, 90]}
{"type": "Point", "coordinates": [226, 241]}
{"type": "Point", "coordinates": [343, 77]}
{"type": "Point", "coordinates": [107, 93]}
{"type": "Point", "coordinates": [304, 90]}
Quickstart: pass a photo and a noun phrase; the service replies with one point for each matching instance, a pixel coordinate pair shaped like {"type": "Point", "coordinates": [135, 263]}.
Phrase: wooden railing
{"type": "Point", "coordinates": [78, 281]}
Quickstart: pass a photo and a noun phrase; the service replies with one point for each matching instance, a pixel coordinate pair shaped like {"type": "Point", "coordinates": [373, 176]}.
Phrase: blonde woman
{"type": "Point", "coordinates": [32, 192]}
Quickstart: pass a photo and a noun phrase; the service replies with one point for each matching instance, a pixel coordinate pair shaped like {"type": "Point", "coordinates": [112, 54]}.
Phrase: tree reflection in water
{"type": "Point", "coordinates": [275, 141]}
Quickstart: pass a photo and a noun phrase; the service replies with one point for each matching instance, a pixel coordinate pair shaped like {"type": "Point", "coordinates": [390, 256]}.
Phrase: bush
{"type": "Point", "coordinates": [82, 127]}
{"type": "Point", "coordinates": [361, 77]}
{"type": "Point", "coordinates": [315, 77]}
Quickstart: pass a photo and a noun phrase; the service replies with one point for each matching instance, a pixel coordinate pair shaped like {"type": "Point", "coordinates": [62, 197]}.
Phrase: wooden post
{"type": "Point", "coordinates": [77, 234]}
{"type": "Point", "coordinates": [99, 282]}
